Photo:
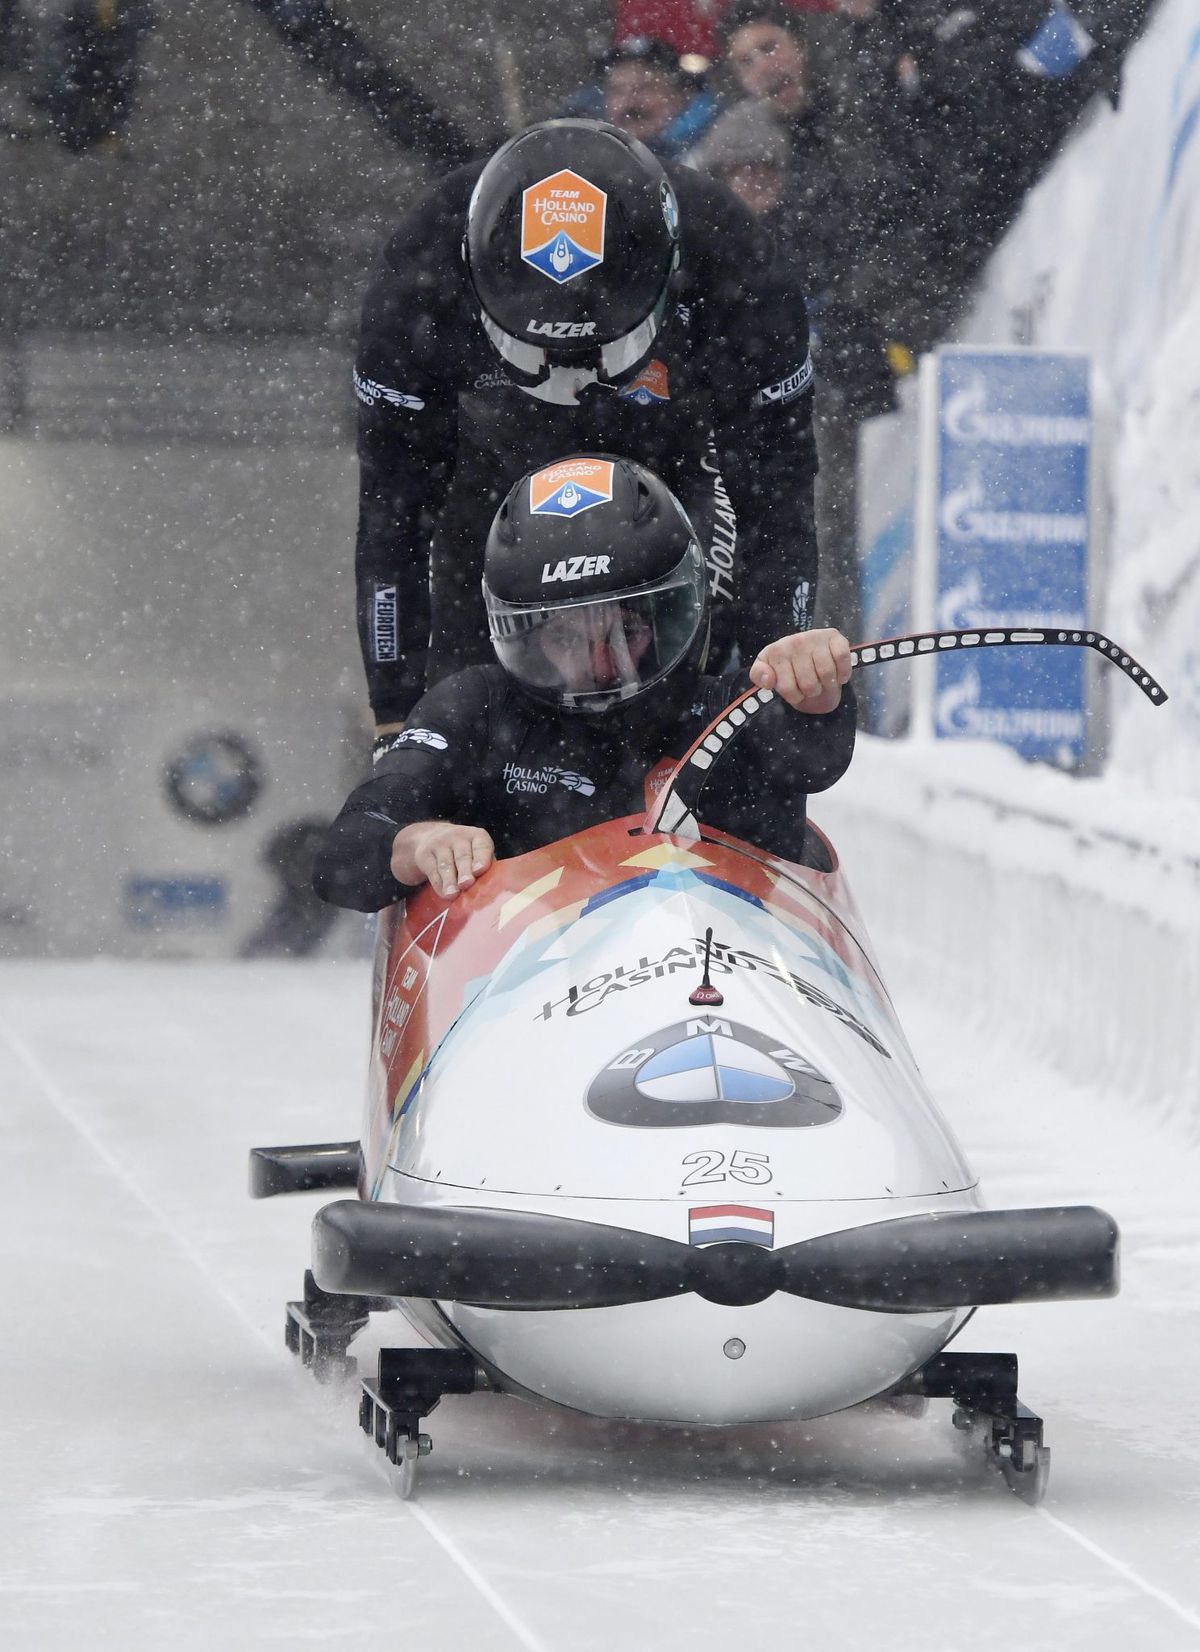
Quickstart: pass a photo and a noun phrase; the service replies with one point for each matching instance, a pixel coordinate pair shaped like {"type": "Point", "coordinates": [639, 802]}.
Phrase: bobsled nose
{"type": "Point", "coordinates": [523, 1260]}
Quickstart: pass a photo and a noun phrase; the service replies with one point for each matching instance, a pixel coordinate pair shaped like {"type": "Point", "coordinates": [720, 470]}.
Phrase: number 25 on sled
{"type": "Point", "coordinates": [644, 1138]}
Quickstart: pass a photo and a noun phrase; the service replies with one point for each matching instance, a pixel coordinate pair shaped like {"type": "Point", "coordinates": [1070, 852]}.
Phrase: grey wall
{"type": "Point", "coordinates": [177, 489]}
{"type": "Point", "coordinates": [242, 194]}
{"type": "Point", "coordinates": [154, 596]}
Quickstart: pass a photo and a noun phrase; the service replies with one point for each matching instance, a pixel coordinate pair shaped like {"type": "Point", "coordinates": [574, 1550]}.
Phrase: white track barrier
{"type": "Point", "coordinates": [1032, 900]}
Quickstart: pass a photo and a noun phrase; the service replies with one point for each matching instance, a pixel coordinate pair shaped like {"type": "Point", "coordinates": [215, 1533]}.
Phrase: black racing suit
{"type": "Point", "coordinates": [722, 414]}
{"type": "Point", "coordinates": [478, 752]}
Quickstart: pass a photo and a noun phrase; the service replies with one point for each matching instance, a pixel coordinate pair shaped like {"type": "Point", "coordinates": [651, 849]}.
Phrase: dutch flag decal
{"type": "Point", "coordinates": [719, 1224]}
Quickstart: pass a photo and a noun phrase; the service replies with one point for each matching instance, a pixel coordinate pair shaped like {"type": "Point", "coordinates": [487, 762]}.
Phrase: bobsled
{"type": "Point", "coordinates": [644, 1137]}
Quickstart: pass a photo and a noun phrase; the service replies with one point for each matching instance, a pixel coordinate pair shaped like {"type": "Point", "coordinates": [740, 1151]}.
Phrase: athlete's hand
{"type": "Point", "coordinates": [806, 669]}
{"type": "Point", "coordinates": [447, 856]}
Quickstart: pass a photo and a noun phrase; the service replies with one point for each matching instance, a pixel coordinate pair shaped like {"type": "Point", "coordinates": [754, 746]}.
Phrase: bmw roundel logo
{"type": "Point", "coordinates": [213, 779]}
{"type": "Point", "coordinates": [711, 1071]}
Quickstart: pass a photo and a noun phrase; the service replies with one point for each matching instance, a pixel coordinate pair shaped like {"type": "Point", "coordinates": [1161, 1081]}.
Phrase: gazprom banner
{"type": "Point", "coordinates": [1009, 531]}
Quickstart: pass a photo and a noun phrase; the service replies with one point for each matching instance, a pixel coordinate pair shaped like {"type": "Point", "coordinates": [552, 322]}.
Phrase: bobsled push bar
{"type": "Point", "coordinates": [674, 809]}
{"type": "Point", "coordinates": [947, 642]}
{"type": "Point", "coordinates": [303, 1169]}
{"type": "Point", "coordinates": [510, 1259]}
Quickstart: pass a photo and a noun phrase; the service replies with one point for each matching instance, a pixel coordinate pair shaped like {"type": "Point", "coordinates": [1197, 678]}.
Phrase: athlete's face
{"type": "Point", "coordinates": [641, 98]}
{"type": "Point", "coordinates": [771, 63]}
{"type": "Point", "coordinates": [596, 648]}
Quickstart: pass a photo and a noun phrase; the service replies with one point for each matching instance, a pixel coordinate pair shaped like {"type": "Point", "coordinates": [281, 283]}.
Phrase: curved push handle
{"type": "Point", "coordinates": [674, 809]}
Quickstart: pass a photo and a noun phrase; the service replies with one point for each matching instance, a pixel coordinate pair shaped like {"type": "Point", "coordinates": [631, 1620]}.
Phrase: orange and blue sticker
{"type": "Point", "coordinates": [570, 487]}
{"type": "Point", "coordinates": [562, 225]}
{"type": "Point", "coordinates": [650, 386]}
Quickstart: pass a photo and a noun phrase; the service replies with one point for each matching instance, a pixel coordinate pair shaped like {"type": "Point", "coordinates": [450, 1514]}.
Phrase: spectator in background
{"type": "Point", "coordinates": [819, 193]}
{"type": "Point", "coordinates": [643, 88]}
{"type": "Point", "coordinates": [770, 49]}
{"type": "Point", "coordinates": [84, 62]}
{"type": "Point", "coordinates": [767, 47]}
{"type": "Point", "coordinates": [964, 106]}
{"type": "Point", "coordinates": [749, 151]}
{"type": "Point", "coordinates": [692, 27]}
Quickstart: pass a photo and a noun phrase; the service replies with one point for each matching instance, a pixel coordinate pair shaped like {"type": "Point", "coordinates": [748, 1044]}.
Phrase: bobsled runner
{"type": "Point", "coordinates": [643, 1137]}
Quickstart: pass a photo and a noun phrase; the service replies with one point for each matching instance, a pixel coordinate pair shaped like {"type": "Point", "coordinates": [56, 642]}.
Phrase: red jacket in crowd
{"type": "Point", "coordinates": [685, 25]}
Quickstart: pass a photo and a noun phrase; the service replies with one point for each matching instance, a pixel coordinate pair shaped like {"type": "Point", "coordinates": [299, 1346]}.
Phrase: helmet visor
{"type": "Point", "coordinates": [560, 377]}
{"type": "Point", "coordinates": [586, 656]}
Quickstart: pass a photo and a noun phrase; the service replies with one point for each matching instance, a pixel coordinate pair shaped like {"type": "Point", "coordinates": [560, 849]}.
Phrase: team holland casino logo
{"type": "Point", "coordinates": [711, 1071]}
{"type": "Point", "coordinates": [650, 386]}
{"type": "Point", "coordinates": [562, 226]}
{"type": "Point", "coordinates": [571, 487]}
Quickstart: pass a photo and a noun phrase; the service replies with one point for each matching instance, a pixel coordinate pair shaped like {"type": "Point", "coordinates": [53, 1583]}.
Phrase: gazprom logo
{"type": "Point", "coordinates": [959, 711]}
{"type": "Point", "coordinates": [966, 417]}
{"type": "Point", "coordinates": [962, 607]}
{"type": "Point", "coordinates": [964, 516]}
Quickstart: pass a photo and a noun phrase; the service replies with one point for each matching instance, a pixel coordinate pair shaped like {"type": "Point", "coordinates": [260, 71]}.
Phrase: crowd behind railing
{"type": "Point", "coordinates": [888, 142]}
{"type": "Point", "coordinates": [885, 145]}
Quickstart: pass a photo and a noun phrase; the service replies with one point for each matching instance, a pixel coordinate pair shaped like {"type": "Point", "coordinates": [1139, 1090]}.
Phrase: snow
{"type": "Point", "coordinates": [986, 866]}
{"type": "Point", "coordinates": [171, 1478]}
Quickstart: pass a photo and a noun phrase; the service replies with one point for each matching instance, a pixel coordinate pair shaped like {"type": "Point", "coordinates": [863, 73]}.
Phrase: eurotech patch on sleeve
{"type": "Point", "coordinates": [787, 389]}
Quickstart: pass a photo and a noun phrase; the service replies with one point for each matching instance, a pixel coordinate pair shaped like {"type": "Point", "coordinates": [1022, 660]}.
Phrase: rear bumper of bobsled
{"type": "Point", "coordinates": [714, 1334]}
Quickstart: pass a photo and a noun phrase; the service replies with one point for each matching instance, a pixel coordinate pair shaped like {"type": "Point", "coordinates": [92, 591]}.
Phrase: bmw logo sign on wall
{"type": "Point", "coordinates": [213, 779]}
{"type": "Point", "coordinates": [711, 1071]}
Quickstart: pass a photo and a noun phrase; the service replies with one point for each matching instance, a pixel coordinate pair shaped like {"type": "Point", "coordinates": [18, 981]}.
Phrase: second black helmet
{"type": "Point", "coordinates": [595, 589]}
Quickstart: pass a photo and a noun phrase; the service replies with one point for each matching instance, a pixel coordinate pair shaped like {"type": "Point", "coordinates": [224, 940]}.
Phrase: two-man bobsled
{"type": "Point", "coordinates": [644, 1138]}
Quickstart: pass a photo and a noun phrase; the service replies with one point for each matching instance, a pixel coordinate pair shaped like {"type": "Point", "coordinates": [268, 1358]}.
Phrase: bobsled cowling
{"type": "Point", "coordinates": [552, 1125]}
{"type": "Point", "coordinates": [524, 1033]}
{"type": "Point", "coordinates": [743, 1209]}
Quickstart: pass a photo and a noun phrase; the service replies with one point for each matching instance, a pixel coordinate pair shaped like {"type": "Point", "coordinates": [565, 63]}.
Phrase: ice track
{"type": "Point", "coordinates": [171, 1480]}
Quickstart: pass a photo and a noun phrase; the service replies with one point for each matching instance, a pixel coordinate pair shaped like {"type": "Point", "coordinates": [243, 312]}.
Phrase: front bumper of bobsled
{"type": "Point", "coordinates": [618, 1322]}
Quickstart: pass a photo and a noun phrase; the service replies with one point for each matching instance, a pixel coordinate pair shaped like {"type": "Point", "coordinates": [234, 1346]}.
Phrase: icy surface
{"type": "Point", "coordinates": [171, 1480]}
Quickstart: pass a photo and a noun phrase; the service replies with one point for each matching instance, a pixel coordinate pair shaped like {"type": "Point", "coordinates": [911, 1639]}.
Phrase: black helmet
{"type": "Point", "coordinates": [595, 589]}
{"type": "Point", "coordinates": [572, 236]}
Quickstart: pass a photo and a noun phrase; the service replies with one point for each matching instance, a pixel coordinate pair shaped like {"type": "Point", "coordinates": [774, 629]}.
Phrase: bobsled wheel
{"type": "Point", "coordinates": [1014, 1444]}
{"type": "Point", "coordinates": [403, 1456]}
{"type": "Point", "coordinates": [1027, 1471]}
